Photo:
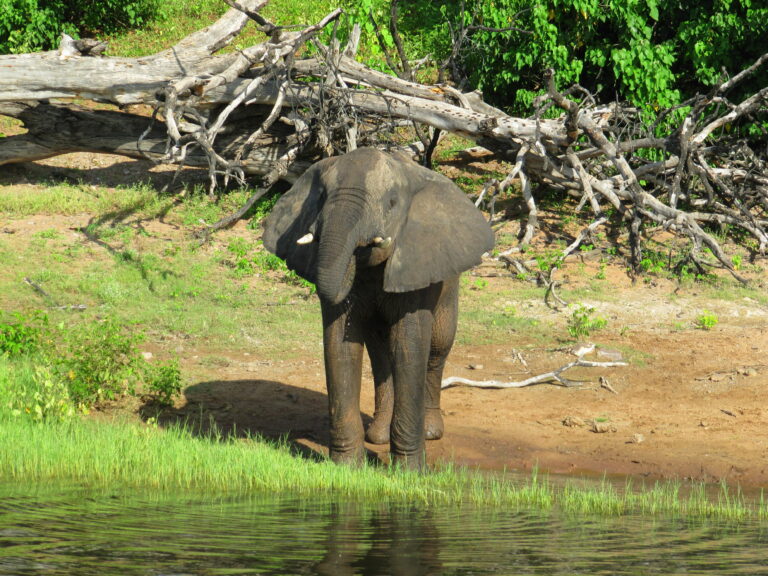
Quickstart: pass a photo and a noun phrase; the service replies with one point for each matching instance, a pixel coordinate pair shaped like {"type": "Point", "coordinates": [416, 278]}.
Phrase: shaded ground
{"type": "Point", "coordinates": [691, 404]}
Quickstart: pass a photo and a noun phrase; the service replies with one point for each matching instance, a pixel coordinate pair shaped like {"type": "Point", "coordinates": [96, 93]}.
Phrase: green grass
{"type": "Point", "coordinates": [117, 266]}
{"type": "Point", "coordinates": [69, 199]}
{"type": "Point", "coordinates": [181, 18]}
{"type": "Point", "coordinates": [488, 317]}
{"type": "Point", "coordinates": [65, 449]}
{"type": "Point", "coordinates": [123, 455]}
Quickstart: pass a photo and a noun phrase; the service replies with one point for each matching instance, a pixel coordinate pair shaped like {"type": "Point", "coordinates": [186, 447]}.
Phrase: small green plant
{"type": "Point", "coordinates": [99, 361]}
{"type": "Point", "coordinates": [44, 398]}
{"type": "Point", "coordinates": [261, 209]}
{"type": "Point", "coordinates": [22, 335]}
{"type": "Point", "coordinates": [49, 234]}
{"type": "Point", "coordinates": [549, 260]}
{"type": "Point", "coordinates": [479, 284]}
{"type": "Point", "coordinates": [241, 248]}
{"type": "Point", "coordinates": [297, 280]}
{"type": "Point", "coordinates": [265, 261]}
{"type": "Point", "coordinates": [653, 263]}
{"type": "Point", "coordinates": [706, 320]}
{"type": "Point", "coordinates": [601, 272]}
{"type": "Point", "coordinates": [582, 323]}
{"type": "Point", "coordinates": [163, 382]}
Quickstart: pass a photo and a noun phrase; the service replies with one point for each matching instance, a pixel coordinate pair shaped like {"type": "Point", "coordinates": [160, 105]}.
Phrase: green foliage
{"type": "Point", "coordinates": [99, 361]}
{"type": "Point", "coordinates": [479, 284]}
{"type": "Point", "coordinates": [261, 209]}
{"type": "Point", "coordinates": [672, 263]}
{"type": "Point", "coordinates": [653, 53]}
{"type": "Point", "coordinates": [611, 47]}
{"type": "Point", "coordinates": [32, 25]}
{"type": "Point", "coordinates": [43, 397]}
{"type": "Point", "coordinates": [23, 334]}
{"type": "Point", "coordinates": [240, 248]}
{"type": "Point", "coordinates": [365, 13]}
{"type": "Point", "coordinates": [79, 366]}
{"type": "Point", "coordinates": [249, 258]}
{"type": "Point", "coordinates": [163, 382]}
{"type": "Point", "coordinates": [706, 320]}
{"type": "Point", "coordinates": [582, 323]}
{"type": "Point", "coordinates": [548, 260]}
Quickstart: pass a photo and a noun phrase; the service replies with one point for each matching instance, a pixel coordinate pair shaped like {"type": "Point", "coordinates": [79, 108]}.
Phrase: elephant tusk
{"type": "Point", "coordinates": [306, 239]}
{"type": "Point", "coordinates": [380, 242]}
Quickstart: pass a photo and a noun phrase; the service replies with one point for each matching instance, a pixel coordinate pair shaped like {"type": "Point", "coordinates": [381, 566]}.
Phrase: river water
{"type": "Point", "coordinates": [76, 532]}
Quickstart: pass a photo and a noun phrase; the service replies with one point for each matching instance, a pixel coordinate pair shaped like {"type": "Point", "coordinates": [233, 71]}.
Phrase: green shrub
{"type": "Point", "coordinates": [163, 382]}
{"type": "Point", "coordinates": [706, 320]}
{"type": "Point", "coordinates": [654, 53]}
{"type": "Point", "coordinates": [99, 361]}
{"type": "Point", "coordinates": [44, 397]}
{"type": "Point", "coordinates": [581, 322]}
{"type": "Point", "coordinates": [50, 372]}
{"type": "Point", "coordinates": [23, 335]}
{"type": "Point", "coordinates": [241, 248]}
{"type": "Point", "coordinates": [32, 25]}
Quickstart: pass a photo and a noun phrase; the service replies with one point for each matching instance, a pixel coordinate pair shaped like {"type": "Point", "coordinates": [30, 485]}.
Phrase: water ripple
{"type": "Point", "coordinates": [75, 532]}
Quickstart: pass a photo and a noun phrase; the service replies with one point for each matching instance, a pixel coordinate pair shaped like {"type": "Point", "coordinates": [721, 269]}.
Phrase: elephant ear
{"type": "Point", "coordinates": [292, 217]}
{"type": "Point", "coordinates": [443, 235]}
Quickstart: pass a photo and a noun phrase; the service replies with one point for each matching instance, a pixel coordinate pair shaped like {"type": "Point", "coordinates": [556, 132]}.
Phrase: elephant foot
{"type": "Point", "coordinates": [378, 431]}
{"type": "Point", "coordinates": [433, 424]}
{"type": "Point", "coordinates": [416, 462]}
{"type": "Point", "coordinates": [349, 457]}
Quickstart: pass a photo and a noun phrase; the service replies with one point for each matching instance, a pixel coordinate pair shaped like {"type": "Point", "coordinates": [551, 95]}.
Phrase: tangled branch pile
{"type": "Point", "coordinates": [272, 109]}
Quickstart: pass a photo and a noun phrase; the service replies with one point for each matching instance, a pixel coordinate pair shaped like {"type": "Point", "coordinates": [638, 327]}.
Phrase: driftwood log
{"type": "Point", "coordinates": [275, 107]}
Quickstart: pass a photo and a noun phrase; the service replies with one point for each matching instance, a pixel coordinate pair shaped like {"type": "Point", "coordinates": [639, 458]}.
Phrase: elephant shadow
{"type": "Point", "coordinates": [253, 408]}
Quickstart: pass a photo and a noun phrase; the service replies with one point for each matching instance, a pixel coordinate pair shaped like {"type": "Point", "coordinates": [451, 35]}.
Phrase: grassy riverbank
{"type": "Point", "coordinates": [123, 455]}
{"type": "Point", "coordinates": [98, 453]}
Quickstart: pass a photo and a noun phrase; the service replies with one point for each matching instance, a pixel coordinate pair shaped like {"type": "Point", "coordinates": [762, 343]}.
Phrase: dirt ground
{"type": "Point", "coordinates": [691, 403]}
{"type": "Point", "coordinates": [692, 407]}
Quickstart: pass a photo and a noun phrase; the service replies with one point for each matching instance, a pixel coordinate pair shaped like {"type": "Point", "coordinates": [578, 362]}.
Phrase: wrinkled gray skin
{"type": "Point", "coordinates": [385, 241]}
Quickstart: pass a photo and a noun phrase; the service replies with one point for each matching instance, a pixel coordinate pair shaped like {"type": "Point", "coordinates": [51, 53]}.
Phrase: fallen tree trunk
{"type": "Point", "coordinates": [55, 128]}
{"type": "Point", "coordinates": [263, 111]}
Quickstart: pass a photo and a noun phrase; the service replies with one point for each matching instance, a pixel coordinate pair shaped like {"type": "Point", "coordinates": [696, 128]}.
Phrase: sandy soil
{"type": "Point", "coordinates": [690, 404]}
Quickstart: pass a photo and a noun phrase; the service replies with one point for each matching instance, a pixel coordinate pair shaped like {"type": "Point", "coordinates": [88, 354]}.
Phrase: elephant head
{"type": "Point", "coordinates": [366, 208]}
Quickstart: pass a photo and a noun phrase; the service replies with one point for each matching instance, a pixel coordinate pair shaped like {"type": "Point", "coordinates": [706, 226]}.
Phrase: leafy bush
{"type": "Point", "coordinates": [22, 335]}
{"type": "Point", "coordinates": [99, 361]}
{"type": "Point", "coordinates": [706, 320]}
{"type": "Point", "coordinates": [43, 397]}
{"type": "Point", "coordinates": [77, 366]}
{"type": "Point", "coordinates": [582, 323]}
{"type": "Point", "coordinates": [653, 53]}
{"type": "Point", "coordinates": [163, 382]}
{"type": "Point", "coordinates": [31, 25]}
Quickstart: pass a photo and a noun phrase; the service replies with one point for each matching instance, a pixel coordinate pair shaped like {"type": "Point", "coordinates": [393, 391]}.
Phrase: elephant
{"type": "Point", "coordinates": [384, 240]}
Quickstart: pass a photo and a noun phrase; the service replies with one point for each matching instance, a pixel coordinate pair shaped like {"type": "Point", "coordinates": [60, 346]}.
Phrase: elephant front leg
{"type": "Point", "coordinates": [343, 371]}
{"type": "Point", "coordinates": [410, 352]}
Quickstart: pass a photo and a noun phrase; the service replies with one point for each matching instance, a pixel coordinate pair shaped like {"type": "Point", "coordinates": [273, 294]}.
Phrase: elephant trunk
{"type": "Point", "coordinates": [342, 233]}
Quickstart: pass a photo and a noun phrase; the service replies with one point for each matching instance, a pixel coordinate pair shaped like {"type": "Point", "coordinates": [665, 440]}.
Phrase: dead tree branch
{"type": "Point", "coordinates": [554, 375]}
{"type": "Point", "coordinates": [265, 110]}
